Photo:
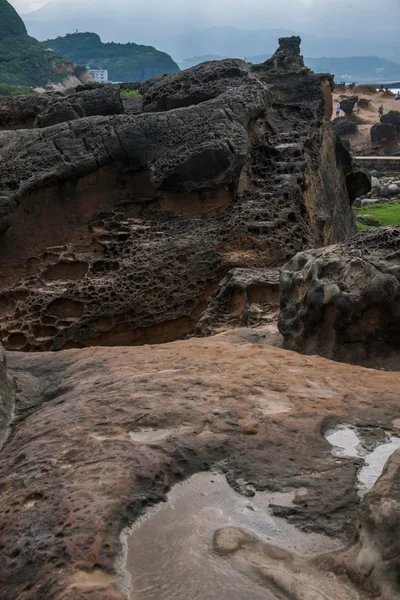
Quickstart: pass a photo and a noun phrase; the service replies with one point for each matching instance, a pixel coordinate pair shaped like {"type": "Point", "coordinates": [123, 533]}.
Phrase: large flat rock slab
{"type": "Point", "coordinates": [99, 434]}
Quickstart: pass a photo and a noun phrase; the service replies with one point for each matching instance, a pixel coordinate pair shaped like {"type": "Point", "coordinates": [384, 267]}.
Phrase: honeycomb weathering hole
{"type": "Point", "coordinates": [64, 308]}
{"type": "Point", "coordinates": [66, 271]}
{"type": "Point", "coordinates": [16, 340]}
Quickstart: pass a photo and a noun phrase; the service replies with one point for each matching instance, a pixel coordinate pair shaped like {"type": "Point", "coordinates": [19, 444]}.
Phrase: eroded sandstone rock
{"type": "Point", "coordinates": [116, 230]}
{"type": "Point", "coordinates": [341, 302]}
{"type": "Point", "coordinates": [72, 477]}
{"type": "Point", "coordinates": [244, 298]}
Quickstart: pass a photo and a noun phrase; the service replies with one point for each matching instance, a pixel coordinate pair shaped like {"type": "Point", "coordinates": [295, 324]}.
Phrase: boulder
{"type": "Point", "coordinates": [375, 183]}
{"type": "Point", "coordinates": [393, 189]}
{"type": "Point", "coordinates": [392, 118]}
{"type": "Point", "coordinates": [372, 201]}
{"type": "Point", "coordinates": [380, 132]}
{"type": "Point", "coordinates": [363, 102]}
{"type": "Point", "coordinates": [368, 220]}
{"type": "Point", "coordinates": [116, 230]}
{"type": "Point", "coordinates": [343, 126]}
{"type": "Point", "coordinates": [342, 301]}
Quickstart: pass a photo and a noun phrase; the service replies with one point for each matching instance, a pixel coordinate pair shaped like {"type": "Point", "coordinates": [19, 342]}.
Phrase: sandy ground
{"type": "Point", "coordinates": [369, 116]}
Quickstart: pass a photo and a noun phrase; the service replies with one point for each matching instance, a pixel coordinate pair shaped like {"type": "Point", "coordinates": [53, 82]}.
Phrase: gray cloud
{"type": "Point", "coordinates": [369, 23]}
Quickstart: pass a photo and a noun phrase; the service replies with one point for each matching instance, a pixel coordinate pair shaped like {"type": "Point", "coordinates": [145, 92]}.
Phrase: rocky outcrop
{"type": "Point", "coordinates": [347, 105]}
{"type": "Point", "coordinates": [341, 302]}
{"type": "Point", "coordinates": [392, 117]}
{"type": "Point", "coordinates": [343, 126]}
{"type": "Point", "coordinates": [287, 57]}
{"type": "Point", "coordinates": [44, 110]}
{"type": "Point", "coordinates": [72, 476]}
{"type": "Point", "coordinates": [245, 298]}
{"type": "Point", "coordinates": [116, 230]}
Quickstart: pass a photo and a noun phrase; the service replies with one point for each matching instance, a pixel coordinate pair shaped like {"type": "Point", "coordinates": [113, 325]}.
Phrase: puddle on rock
{"type": "Point", "coordinates": [168, 553]}
{"type": "Point", "coordinates": [346, 442]}
{"type": "Point", "coordinates": [376, 461]}
{"type": "Point", "coordinates": [149, 435]}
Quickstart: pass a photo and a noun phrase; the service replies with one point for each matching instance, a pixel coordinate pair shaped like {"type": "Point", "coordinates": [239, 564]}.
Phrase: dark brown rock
{"type": "Point", "coordinates": [244, 298]}
{"type": "Point", "coordinates": [341, 302]}
{"type": "Point", "coordinates": [116, 230]}
{"type": "Point", "coordinates": [381, 132]}
{"type": "Point", "coordinates": [71, 478]}
{"type": "Point", "coordinates": [343, 126]}
{"type": "Point", "coordinates": [347, 104]}
{"type": "Point", "coordinates": [393, 118]}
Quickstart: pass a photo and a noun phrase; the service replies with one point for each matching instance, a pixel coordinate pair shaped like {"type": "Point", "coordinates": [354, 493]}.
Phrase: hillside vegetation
{"type": "Point", "coordinates": [23, 60]}
{"type": "Point", "coordinates": [124, 62]}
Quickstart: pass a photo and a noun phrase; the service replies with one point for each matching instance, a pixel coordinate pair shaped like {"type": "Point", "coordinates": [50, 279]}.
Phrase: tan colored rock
{"type": "Point", "coordinates": [71, 477]}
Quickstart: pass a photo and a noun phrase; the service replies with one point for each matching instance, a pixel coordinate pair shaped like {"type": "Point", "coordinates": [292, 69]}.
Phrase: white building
{"type": "Point", "coordinates": [99, 75]}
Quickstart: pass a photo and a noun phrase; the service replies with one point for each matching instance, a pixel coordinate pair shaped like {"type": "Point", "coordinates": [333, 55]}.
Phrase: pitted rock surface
{"type": "Point", "coordinates": [244, 298]}
{"type": "Point", "coordinates": [71, 477]}
{"type": "Point", "coordinates": [116, 230]}
{"type": "Point", "coordinates": [341, 302]}
{"type": "Point", "coordinates": [44, 110]}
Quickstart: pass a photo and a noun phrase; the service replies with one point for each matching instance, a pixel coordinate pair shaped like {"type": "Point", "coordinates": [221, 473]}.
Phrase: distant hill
{"type": "Point", "coordinates": [124, 62]}
{"type": "Point", "coordinates": [23, 60]}
{"type": "Point", "coordinates": [353, 68]}
{"type": "Point", "coordinates": [357, 68]}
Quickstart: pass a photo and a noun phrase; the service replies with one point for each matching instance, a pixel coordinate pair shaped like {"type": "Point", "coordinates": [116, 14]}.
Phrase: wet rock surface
{"type": "Point", "coordinates": [341, 302]}
{"type": "Point", "coordinates": [117, 230]}
{"type": "Point", "coordinates": [72, 477]}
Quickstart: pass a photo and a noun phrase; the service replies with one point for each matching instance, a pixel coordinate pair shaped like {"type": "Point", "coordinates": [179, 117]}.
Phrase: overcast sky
{"type": "Point", "coordinates": [338, 18]}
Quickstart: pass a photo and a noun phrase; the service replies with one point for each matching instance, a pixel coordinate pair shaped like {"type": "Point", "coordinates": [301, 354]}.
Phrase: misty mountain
{"type": "Point", "coordinates": [353, 68]}
{"type": "Point", "coordinates": [184, 29]}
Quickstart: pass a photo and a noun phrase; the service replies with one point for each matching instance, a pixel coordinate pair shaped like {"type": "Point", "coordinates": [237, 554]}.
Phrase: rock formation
{"type": "Point", "coordinates": [343, 126]}
{"type": "Point", "coordinates": [117, 229]}
{"type": "Point", "coordinates": [71, 476]}
{"type": "Point", "coordinates": [347, 105]}
{"type": "Point", "coordinates": [387, 133]}
{"type": "Point", "coordinates": [287, 57]}
{"type": "Point", "coordinates": [137, 229]}
{"type": "Point", "coordinates": [44, 110]}
{"type": "Point", "coordinates": [341, 302]}
{"type": "Point", "coordinates": [244, 298]}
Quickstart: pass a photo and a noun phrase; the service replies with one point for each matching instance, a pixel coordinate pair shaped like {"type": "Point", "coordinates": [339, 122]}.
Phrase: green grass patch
{"type": "Point", "coordinates": [130, 94]}
{"type": "Point", "coordinates": [386, 214]}
{"type": "Point", "coordinates": [361, 227]}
